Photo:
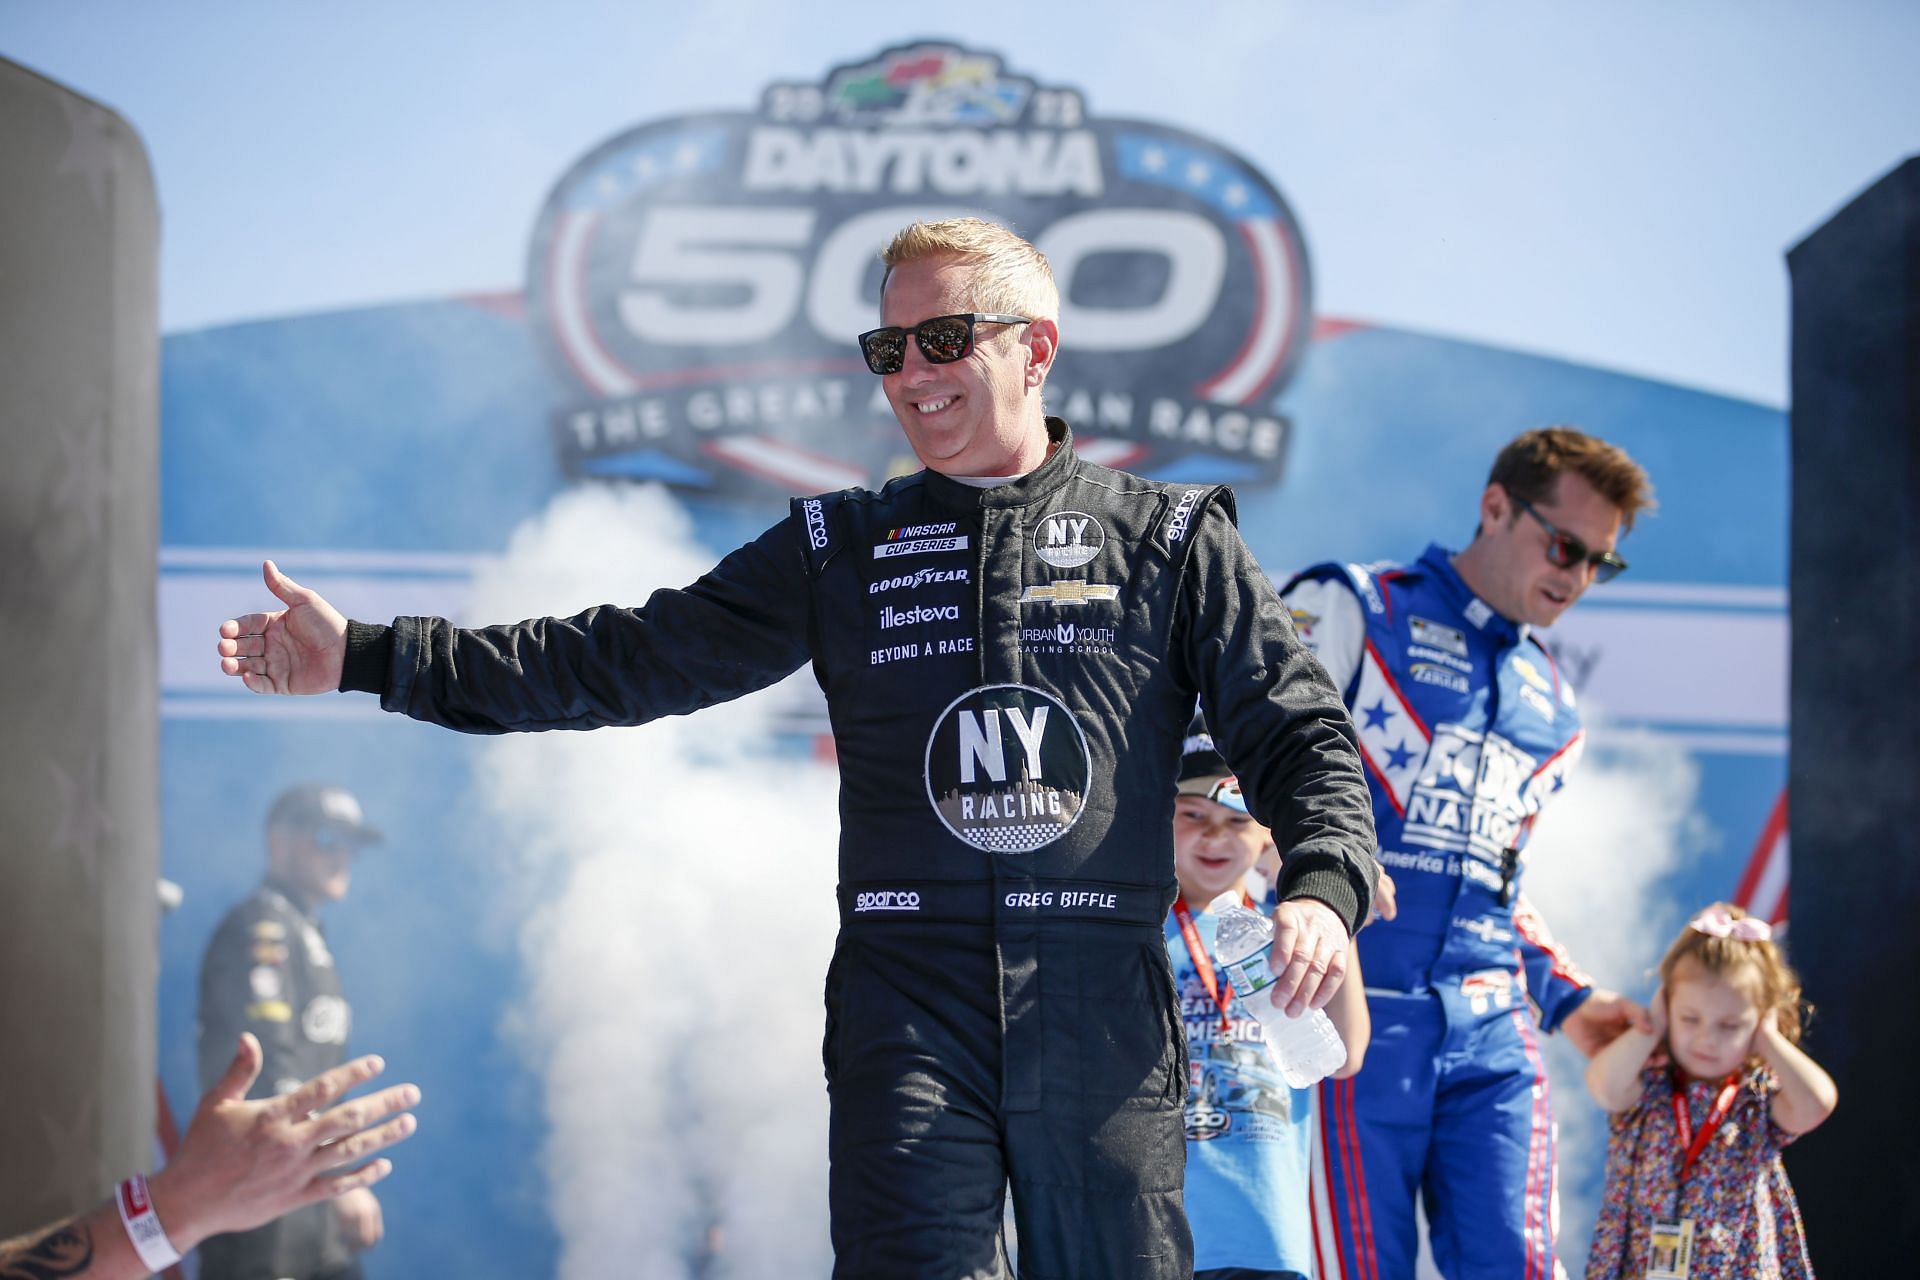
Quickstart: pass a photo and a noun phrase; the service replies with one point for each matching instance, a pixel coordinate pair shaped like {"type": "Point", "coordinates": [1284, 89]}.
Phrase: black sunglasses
{"type": "Point", "coordinates": [1568, 552]}
{"type": "Point", "coordinates": [942, 340]}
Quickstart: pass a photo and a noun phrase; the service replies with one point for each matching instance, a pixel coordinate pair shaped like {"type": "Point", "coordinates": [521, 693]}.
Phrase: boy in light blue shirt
{"type": "Point", "coordinates": [1250, 1138]}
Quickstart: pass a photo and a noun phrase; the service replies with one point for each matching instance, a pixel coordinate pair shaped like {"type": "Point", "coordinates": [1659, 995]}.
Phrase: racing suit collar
{"type": "Point", "coordinates": [1020, 490]}
{"type": "Point", "coordinates": [290, 896]}
{"type": "Point", "coordinates": [1438, 561]}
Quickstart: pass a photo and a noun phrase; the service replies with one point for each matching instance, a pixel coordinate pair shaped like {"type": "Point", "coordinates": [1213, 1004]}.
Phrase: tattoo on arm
{"type": "Point", "coordinates": [67, 1250]}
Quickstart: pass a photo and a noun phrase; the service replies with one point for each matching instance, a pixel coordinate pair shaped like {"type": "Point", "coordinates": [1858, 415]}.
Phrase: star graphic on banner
{"type": "Point", "coordinates": [1235, 195]}
{"type": "Point", "coordinates": [644, 167]}
{"type": "Point", "coordinates": [1198, 174]}
{"type": "Point", "coordinates": [1153, 159]}
{"type": "Point", "coordinates": [1559, 781]}
{"type": "Point", "coordinates": [1377, 715]}
{"type": "Point", "coordinates": [1400, 756]}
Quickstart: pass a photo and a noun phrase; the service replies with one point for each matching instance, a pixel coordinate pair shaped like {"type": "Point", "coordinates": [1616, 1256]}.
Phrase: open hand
{"type": "Point", "coordinates": [243, 1163]}
{"type": "Point", "coordinates": [299, 649]}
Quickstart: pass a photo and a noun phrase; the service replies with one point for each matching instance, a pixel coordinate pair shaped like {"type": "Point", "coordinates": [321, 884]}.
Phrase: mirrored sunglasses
{"type": "Point", "coordinates": [942, 340]}
{"type": "Point", "coordinates": [1568, 552]}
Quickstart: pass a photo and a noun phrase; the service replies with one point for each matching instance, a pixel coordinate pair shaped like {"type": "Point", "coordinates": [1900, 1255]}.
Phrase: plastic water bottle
{"type": "Point", "coordinates": [1306, 1048]}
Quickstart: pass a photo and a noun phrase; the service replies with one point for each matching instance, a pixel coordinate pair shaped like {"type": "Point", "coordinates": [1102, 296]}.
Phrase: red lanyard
{"type": "Point", "coordinates": [1202, 963]}
{"type": "Point", "coordinates": [1691, 1143]}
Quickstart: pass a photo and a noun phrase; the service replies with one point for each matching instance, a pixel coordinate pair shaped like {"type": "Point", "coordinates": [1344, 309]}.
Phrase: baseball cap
{"type": "Point", "coordinates": [312, 805]}
{"type": "Point", "coordinates": [1204, 771]}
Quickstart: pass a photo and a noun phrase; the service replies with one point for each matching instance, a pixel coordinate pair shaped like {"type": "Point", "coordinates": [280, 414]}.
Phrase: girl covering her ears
{"type": "Point", "coordinates": [1700, 1110]}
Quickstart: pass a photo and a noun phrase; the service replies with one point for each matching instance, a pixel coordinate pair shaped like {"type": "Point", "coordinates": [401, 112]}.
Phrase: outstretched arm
{"type": "Point", "coordinates": [744, 625]}
{"type": "Point", "coordinates": [241, 1164]}
{"type": "Point", "coordinates": [1807, 1093]}
{"type": "Point", "coordinates": [298, 649]}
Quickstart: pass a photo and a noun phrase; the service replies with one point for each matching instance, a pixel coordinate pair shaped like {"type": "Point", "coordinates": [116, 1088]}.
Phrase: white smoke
{"type": "Point", "coordinates": [680, 881]}
{"type": "Point", "coordinates": [1599, 868]}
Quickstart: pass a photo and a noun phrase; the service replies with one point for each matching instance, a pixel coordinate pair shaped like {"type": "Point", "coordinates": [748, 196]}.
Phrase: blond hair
{"type": "Point", "coordinates": [1778, 987]}
{"type": "Point", "coordinates": [1009, 274]}
{"type": "Point", "coordinates": [1532, 463]}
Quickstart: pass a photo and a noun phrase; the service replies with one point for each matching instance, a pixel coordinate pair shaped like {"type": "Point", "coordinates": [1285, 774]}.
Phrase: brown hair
{"type": "Point", "coordinates": [1009, 274]}
{"type": "Point", "coordinates": [1779, 989]}
{"type": "Point", "coordinates": [1532, 463]}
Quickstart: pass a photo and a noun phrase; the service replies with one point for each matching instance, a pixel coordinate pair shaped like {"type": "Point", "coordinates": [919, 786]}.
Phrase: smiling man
{"type": "Point", "coordinates": [1010, 642]}
{"type": "Point", "coordinates": [1467, 729]}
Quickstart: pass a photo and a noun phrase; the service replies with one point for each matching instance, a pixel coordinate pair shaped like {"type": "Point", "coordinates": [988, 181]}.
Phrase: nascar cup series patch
{"type": "Point", "coordinates": [697, 281]}
{"type": "Point", "coordinates": [1007, 768]}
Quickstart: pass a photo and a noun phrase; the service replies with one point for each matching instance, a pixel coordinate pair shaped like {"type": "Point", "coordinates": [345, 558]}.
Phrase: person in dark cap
{"type": "Point", "coordinates": [268, 970]}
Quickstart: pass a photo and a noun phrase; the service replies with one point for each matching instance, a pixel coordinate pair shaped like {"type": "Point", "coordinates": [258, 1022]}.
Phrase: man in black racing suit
{"type": "Point", "coordinates": [1010, 642]}
{"type": "Point", "coordinates": [268, 970]}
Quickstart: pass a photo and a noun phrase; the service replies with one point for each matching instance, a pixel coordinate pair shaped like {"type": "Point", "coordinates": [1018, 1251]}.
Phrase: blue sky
{"type": "Point", "coordinates": [1613, 183]}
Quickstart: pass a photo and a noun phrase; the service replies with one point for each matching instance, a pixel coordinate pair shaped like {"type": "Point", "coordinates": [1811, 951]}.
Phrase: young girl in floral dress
{"type": "Point", "coordinates": [1700, 1110]}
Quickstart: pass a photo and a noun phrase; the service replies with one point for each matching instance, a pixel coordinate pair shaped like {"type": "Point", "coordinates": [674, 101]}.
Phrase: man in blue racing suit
{"type": "Point", "coordinates": [1010, 642]}
{"type": "Point", "coordinates": [1466, 728]}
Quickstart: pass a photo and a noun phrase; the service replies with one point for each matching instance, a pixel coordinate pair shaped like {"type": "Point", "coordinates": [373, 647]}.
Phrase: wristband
{"type": "Point", "coordinates": [143, 1225]}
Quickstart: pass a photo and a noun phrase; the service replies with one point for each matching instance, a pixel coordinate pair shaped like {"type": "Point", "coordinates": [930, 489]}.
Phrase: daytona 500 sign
{"type": "Point", "coordinates": [698, 281]}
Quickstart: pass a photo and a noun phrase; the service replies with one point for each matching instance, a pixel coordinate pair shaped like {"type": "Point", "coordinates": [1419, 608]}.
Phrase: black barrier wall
{"type": "Point", "coordinates": [79, 849]}
{"type": "Point", "coordinates": [1855, 769]}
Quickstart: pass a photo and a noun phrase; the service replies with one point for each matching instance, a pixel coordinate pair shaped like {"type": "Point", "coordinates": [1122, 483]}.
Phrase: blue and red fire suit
{"type": "Point", "coordinates": [1466, 730]}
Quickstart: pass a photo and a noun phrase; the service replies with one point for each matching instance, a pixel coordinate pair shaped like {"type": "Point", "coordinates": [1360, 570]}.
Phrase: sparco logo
{"type": "Point", "coordinates": [1177, 527]}
{"type": "Point", "coordinates": [697, 281]}
{"type": "Point", "coordinates": [914, 581]}
{"type": "Point", "coordinates": [892, 617]}
{"type": "Point", "coordinates": [887, 900]}
{"type": "Point", "coordinates": [1007, 768]}
{"type": "Point", "coordinates": [816, 524]}
{"type": "Point", "coordinates": [1068, 539]}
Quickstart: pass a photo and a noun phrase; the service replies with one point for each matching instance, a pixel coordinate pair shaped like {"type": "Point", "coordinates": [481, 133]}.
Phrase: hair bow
{"type": "Point", "coordinates": [1717, 922]}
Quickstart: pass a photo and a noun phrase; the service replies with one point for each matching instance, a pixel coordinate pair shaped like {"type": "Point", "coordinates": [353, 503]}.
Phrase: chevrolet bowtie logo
{"type": "Point", "coordinates": [1072, 591]}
